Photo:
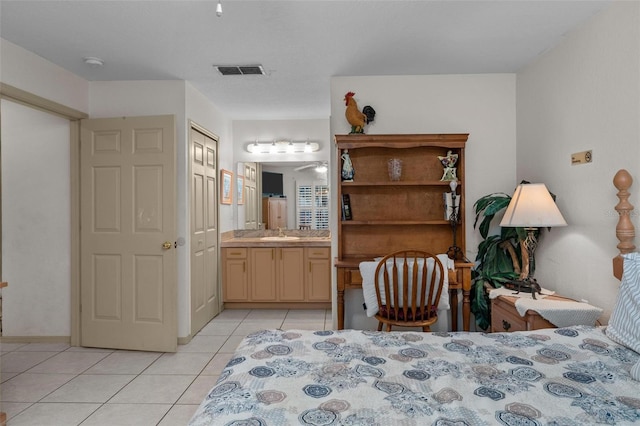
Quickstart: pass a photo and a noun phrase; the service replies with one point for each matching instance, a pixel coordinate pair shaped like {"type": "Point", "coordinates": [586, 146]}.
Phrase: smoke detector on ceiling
{"type": "Point", "coordinates": [240, 69]}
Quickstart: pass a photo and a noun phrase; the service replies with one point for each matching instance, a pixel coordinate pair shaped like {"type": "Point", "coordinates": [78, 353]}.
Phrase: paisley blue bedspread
{"type": "Point", "coordinates": [567, 376]}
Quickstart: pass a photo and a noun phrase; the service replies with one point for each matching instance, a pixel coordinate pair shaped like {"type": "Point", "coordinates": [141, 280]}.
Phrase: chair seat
{"type": "Point", "coordinates": [385, 312]}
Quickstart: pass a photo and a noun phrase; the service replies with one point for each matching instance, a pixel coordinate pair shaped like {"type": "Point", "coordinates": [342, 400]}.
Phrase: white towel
{"type": "Point", "coordinates": [561, 313]}
{"type": "Point", "coordinates": [368, 272]}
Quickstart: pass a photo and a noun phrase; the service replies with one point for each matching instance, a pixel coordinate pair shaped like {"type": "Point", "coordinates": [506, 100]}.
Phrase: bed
{"type": "Point", "coordinates": [566, 376]}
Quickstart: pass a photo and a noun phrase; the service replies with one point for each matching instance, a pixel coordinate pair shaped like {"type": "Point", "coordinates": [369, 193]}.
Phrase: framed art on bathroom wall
{"type": "Point", "coordinates": [226, 180]}
{"type": "Point", "coordinates": [240, 189]}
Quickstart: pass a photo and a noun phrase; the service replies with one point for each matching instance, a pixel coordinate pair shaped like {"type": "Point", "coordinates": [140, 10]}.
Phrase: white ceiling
{"type": "Point", "coordinates": [301, 44]}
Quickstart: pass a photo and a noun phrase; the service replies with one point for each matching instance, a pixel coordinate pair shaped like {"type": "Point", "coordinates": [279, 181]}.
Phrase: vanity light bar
{"type": "Point", "coordinates": [281, 147]}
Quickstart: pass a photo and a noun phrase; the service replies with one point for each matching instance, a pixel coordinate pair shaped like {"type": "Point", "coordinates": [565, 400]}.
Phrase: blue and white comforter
{"type": "Point", "coordinates": [567, 376]}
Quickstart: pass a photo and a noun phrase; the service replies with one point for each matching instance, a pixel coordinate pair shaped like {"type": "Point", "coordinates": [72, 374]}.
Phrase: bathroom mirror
{"type": "Point", "coordinates": [283, 180]}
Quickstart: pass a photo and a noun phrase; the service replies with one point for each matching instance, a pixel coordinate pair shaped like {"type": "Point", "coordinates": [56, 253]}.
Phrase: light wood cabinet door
{"type": "Point", "coordinates": [235, 275]}
{"type": "Point", "coordinates": [291, 274]}
{"type": "Point", "coordinates": [318, 274]}
{"type": "Point", "coordinates": [263, 274]}
{"type": "Point", "coordinates": [277, 274]}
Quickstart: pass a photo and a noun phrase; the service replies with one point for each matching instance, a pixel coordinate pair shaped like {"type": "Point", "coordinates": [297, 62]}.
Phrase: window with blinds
{"type": "Point", "coordinates": [312, 205]}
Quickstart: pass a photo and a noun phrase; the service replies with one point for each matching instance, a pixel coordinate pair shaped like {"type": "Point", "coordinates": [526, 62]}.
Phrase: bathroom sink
{"type": "Point", "coordinates": [279, 238]}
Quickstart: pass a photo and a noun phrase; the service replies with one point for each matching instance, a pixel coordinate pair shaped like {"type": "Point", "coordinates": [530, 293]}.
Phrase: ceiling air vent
{"type": "Point", "coordinates": [241, 70]}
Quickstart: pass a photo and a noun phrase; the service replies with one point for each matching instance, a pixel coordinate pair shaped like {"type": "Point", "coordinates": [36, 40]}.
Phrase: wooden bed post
{"type": "Point", "coordinates": [625, 231]}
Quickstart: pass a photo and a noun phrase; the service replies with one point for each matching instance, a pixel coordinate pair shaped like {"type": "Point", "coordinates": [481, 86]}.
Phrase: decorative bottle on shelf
{"type": "Point", "coordinates": [347, 167]}
{"type": "Point", "coordinates": [394, 166]}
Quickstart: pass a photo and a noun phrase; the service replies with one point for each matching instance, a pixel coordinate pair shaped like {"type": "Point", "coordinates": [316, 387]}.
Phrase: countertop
{"type": "Point", "coordinates": [242, 238]}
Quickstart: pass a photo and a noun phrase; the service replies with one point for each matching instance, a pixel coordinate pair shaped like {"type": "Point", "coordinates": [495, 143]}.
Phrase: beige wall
{"type": "Point", "coordinates": [29, 72]}
{"type": "Point", "coordinates": [584, 94]}
{"type": "Point", "coordinates": [34, 74]}
{"type": "Point", "coordinates": [36, 256]}
{"type": "Point", "coordinates": [117, 98]}
{"type": "Point", "coordinates": [35, 216]}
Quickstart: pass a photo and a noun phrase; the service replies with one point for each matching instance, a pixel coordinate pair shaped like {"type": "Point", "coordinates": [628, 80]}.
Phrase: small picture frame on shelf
{"type": "Point", "coordinates": [346, 207]}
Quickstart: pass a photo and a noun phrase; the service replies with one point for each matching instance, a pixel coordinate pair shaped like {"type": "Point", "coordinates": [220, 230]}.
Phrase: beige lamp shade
{"type": "Point", "coordinates": [532, 207]}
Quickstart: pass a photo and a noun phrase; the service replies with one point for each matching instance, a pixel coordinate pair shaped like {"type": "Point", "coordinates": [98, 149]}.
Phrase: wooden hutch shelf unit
{"type": "Point", "coordinates": [394, 215]}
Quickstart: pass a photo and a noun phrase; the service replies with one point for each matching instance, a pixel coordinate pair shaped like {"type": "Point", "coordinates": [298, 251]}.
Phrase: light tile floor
{"type": "Point", "coordinates": [54, 384]}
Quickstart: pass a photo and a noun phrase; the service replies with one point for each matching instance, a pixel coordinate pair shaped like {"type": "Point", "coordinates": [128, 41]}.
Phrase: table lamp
{"type": "Point", "coordinates": [531, 207]}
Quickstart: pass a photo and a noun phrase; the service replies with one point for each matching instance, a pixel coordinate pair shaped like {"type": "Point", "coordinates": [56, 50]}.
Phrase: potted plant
{"type": "Point", "coordinates": [499, 256]}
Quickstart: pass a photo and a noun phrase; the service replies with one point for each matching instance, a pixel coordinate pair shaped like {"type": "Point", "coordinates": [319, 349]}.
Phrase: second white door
{"type": "Point", "coordinates": [205, 300]}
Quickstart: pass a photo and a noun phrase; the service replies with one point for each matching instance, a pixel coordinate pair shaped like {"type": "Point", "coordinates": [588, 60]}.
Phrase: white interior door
{"type": "Point", "coordinates": [251, 198]}
{"type": "Point", "coordinates": [128, 229]}
{"type": "Point", "coordinates": [205, 300]}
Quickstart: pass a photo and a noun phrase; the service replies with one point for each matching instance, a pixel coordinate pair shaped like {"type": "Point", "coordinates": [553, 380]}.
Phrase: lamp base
{"type": "Point", "coordinates": [528, 285]}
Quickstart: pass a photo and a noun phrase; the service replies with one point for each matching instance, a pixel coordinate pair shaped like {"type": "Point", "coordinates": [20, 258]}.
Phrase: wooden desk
{"type": "Point", "coordinates": [349, 277]}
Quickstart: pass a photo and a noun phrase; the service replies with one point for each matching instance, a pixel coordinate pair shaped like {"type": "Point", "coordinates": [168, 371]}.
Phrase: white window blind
{"type": "Point", "coordinates": [312, 205]}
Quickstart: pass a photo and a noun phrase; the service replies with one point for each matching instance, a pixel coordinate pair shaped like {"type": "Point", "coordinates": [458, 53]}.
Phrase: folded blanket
{"type": "Point", "coordinates": [561, 313]}
{"type": "Point", "coordinates": [368, 271]}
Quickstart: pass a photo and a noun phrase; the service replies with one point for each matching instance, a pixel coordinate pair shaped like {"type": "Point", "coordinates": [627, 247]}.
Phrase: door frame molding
{"type": "Point", "coordinates": [74, 116]}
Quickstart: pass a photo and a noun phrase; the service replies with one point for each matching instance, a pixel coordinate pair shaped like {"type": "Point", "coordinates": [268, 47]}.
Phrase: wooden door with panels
{"type": "Point", "coordinates": [205, 300]}
{"type": "Point", "coordinates": [251, 196]}
{"type": "Point", "coordinates": [128, 280]}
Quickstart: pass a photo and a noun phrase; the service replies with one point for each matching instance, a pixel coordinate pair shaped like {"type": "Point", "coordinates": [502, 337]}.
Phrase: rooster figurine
{"type": "Point", "coordinates": [356, 118]}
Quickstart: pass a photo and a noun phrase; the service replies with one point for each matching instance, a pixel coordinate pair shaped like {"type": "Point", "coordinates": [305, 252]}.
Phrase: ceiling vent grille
{"type": "Point", "coordinates": [240, 69]}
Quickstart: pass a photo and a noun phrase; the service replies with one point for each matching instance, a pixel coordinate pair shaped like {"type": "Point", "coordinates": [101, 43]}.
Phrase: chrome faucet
{"type": "Point", "coordinates": [280, 232]}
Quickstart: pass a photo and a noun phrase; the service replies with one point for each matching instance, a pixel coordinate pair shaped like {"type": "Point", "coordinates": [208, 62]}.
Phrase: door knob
{"type": "Point", "coordinates": [167, 245]}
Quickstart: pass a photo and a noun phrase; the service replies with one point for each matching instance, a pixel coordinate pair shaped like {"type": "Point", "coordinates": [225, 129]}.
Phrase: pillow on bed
{"type": "Point", "coordinates": [624, 323]}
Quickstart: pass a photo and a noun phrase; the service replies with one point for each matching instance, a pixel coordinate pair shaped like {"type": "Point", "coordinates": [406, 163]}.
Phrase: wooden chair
{"type": "Point", "coordinates": [410, 290]}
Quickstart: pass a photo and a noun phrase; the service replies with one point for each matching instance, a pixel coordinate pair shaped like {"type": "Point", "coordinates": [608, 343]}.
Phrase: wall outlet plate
{"type": "Point", "coordinates": [583, 157]}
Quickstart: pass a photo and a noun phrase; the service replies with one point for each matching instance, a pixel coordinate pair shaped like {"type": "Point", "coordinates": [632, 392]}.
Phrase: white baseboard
{"type": "Point", "coordinates": [35, 339]}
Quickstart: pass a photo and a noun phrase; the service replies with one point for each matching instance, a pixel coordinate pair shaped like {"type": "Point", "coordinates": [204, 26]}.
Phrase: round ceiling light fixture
{"type": "Point", "coordinates": [93, 61]}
